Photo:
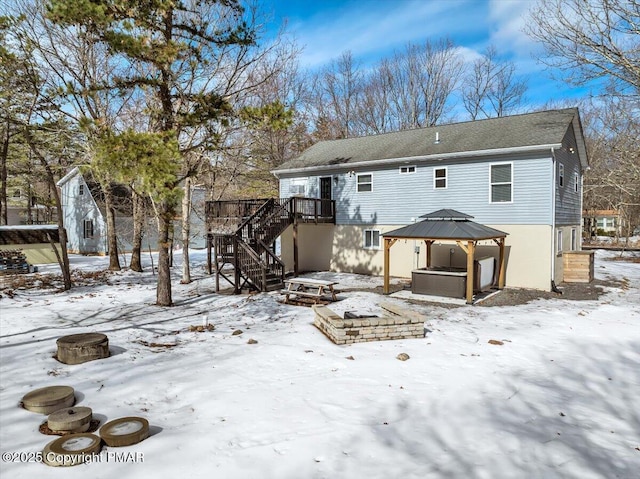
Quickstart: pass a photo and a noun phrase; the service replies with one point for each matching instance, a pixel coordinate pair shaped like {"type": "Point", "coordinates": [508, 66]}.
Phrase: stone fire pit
{"type": "Point", "coordinates": [395, 323]}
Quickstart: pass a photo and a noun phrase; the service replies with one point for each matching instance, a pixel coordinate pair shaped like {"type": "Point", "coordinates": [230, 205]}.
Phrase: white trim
{"type": "Point", "coordinates": [559, 245]}
{"type": "Point", "coordinates": [553, 214]}
{"type": "Point", "coordinates": [364, 239]}
{"type": "Point", "coordinates": [370, 182]}
{"type": "Point", "coordinates": [68, 176]}
{"type": "Point", "coordinates": [410, 170]}
{"type": "Point", "coordinates": [298, 183]}
{"type": "Point", "coordinates": [442, 156]}
{"type": "Point", "coordinates": [510, 183]}
{"type": "Point", "coordinates": [446, 178]}
{"type": "Point", "coordinates": [560, 174]}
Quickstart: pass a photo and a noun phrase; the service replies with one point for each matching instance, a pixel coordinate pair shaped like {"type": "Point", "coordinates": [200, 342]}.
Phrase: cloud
{"type": "Point", "coordinates": [375, 28]}
{"type": "Point", "coordinates": [507, 20]}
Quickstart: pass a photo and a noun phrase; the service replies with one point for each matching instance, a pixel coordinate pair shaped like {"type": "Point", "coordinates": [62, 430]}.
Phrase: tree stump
{"type": "Point", "coordinates": [80, 348]}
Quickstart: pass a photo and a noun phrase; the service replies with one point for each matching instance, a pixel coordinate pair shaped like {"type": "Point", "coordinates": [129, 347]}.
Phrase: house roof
{"type": "Point", "coordinates": [446, 224]}
{"type": "Point", "coordinates": [74, 171]}
{"type": "Point", "coordinates": [531, 131]}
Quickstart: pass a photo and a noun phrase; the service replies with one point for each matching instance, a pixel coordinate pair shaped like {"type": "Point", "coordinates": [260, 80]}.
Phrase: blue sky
{"type": "Point", "coordinates": [373, 29]}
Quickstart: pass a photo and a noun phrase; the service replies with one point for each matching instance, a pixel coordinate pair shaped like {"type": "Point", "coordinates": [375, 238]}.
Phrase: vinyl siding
{"type": "Point", "coordinates": [568, 201]}
{"type": "Point", "coordinates": [76, 209]}
{"type": "Point", "coordinates": [397, 198]}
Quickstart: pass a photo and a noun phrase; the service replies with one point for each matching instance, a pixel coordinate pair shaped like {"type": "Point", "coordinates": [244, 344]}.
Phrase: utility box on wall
{"type": "Point", "coordinates": [578, 266]}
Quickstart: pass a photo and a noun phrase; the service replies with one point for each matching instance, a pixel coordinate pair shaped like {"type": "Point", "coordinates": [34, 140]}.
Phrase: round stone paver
{"type": "Point", "coordinates": [49, 399]}
{"type": "Point", "coordinates": [71, 419]}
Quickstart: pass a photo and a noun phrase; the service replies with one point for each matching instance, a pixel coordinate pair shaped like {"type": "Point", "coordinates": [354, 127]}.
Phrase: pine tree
{"type": "Point", "coordinates": [168, 44]}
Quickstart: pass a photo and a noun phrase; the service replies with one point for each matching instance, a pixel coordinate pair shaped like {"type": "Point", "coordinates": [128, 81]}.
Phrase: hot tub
{"type": "Point", "coordinates": [439, 281]}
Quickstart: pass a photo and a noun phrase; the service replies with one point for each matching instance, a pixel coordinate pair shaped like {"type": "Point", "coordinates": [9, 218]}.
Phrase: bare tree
{"type": "Point", "coordinates": [589, 39]}
{"type": "Point", "coordinates": [337, 89]}
{"type": "Point", "coordinates": [491, 88]}
{"type": "Point", "coordinates": [405, 75]}
{"type": "Point", "coordinates": [421, 80]}
{"type": "Point", "coordinates": [374, 108]}
{"type": "Point", "coordinates": [77, 65]}
{"type": "Point", "coordinates": [442, 67]}
{"type": "Point", "coordinates": [612, 131]}
{"type": "Point", "coordinates": [48, 136]}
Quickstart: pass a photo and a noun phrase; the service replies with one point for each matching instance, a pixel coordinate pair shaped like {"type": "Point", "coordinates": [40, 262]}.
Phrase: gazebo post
{"type": "Point", "coordinates": [295, 247]}
{"type": "Point", "coordinates": [428, 243]}
{"type": "Point", "coordinates": [388, 243]}
{"type": "Point", "coordinates": [470, 275]}
{"type": "Point", "coordinates": [501, 261]}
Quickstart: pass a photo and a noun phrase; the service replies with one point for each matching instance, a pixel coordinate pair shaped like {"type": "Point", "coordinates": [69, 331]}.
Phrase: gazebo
{"type": "Point", "coordinates": [448, 225]}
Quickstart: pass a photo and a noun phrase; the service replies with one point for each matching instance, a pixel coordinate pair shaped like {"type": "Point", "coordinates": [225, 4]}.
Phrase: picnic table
{"type": "Point", "coordinates": [316, 289]}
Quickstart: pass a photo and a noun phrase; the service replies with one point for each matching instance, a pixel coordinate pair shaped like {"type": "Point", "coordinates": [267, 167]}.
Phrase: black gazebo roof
{"type": "Point", "coordinates": [446, 224]}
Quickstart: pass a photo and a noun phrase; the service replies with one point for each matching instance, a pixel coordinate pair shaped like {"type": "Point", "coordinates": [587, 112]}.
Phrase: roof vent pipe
{"type": "Point", "coordinates": [437, 138]}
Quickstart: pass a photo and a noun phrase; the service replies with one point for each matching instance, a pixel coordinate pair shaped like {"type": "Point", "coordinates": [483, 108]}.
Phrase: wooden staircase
{"type": "Point", "coordinates": [242, 235]}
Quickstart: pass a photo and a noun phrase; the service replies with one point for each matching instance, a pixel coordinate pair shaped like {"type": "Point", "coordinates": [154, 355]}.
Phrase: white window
{"type": "Point", "coordinates": [501, 178]}
{"type": "Point", "coordinates": [560, 175]}
{"type": "Point", "coordinates": [371, 239]}
{"type": "Point", "coordinates": [297, 187]}
{"type": "Point", "coordinates": [81, 189]}
{"type": "Point", "coordinates": [406, 170]}
{"type": "Point", "coordinates": [576, 182]}
{"type": "Point", "coordinates": [365, 183]}
{"type": "Point", "coordinates": [559, 242]}
{"type": "Point", "coordinates": [88, 229]}
{"type": "Point", "coordinates": [440, 178]}
{"type": "Point", "coordinates": [574, 239]}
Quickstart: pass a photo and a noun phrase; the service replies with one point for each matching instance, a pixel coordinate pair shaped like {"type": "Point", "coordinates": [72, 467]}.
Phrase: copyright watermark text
{"type": "Point", "coordinates": [73, 458]}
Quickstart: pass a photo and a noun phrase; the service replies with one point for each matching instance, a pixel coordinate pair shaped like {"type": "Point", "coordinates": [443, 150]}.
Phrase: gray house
{"type": "Point", "coordinates": [520, 174]}
{"type": "Point", "coordinates": [84, 218]}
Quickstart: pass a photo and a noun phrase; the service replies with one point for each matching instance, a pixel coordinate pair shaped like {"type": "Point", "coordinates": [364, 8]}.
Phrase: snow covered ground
{"type": "Point", "coordinates": [559, 398]}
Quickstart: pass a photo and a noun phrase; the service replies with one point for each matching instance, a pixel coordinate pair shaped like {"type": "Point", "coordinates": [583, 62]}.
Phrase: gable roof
{"type": "Point", "coordinates": [65, 179]}
{"type": "Point", "coordinates": [531, 131]}
{"type": "Point", "coordinates": [446, 224]}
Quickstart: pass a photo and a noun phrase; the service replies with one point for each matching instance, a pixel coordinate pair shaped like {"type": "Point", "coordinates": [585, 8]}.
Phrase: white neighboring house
{"type": "Point", "coordinates": [84, 218]}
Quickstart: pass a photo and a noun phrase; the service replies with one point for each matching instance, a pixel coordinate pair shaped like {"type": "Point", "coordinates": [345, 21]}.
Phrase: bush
{"type": "Point", "coordinates": [601, 232]}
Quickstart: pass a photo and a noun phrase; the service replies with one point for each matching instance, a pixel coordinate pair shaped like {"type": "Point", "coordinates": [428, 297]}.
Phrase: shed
{"type": "Point", "coordinates": [36, 241]}
{"type": "Point", "coordinates": [450, 225]}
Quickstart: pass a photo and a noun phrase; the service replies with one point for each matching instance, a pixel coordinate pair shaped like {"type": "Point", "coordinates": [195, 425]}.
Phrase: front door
{"type": "Point", "coordinates": [326, 195]}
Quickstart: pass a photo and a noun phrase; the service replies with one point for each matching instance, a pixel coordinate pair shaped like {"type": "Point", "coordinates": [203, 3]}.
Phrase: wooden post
{"type": "Point", "coordinates": [388, 243]}
{"type": "Point", "coordinates": [429, 243]}
{"type": "Point", "coordinates": [209, 254]}
{"type": "Point", "coordinates": [501, 263]}
{"type": "Point", "coordinates": [216, 255]}
{"type": "Point", "coordinates": [236, 267]}
{"type": "Point", "coordinates": [295, 247]}
{"type": "Point", "coordinates": [470, 275]}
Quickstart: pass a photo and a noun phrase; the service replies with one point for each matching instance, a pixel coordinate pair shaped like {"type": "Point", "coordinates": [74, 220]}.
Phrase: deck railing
{"type": "Point", "coordinates": [243, 232]}
{"type": "Point", "coordinates": [235, 212]}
